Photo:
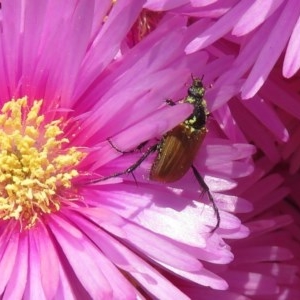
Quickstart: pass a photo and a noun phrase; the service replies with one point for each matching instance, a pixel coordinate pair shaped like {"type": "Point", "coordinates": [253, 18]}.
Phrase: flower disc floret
{"type": "Point", "coordinates": [35, 168]}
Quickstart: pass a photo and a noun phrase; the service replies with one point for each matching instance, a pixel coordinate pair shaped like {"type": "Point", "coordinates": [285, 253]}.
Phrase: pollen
{"type": "Point", "coordinates": [36, 166]}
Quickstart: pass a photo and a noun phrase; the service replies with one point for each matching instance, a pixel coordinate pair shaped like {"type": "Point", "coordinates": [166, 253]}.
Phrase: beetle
{"type": "Point", "coordinates": [178, 147]}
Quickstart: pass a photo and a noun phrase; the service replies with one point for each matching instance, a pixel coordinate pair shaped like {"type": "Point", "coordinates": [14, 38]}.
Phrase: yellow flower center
{"type": "Point", "coordinates": [35, 168]}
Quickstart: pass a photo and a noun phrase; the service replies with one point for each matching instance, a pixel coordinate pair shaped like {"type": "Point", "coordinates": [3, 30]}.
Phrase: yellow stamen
{"type": "Point", "coordinates": [34, 167]}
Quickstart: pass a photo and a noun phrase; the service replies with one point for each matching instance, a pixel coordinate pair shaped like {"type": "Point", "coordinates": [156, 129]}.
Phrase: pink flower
{"type": "Point", "coordinates": [70, 80]}
{"type": "Point", "coordinates": [246, 39]}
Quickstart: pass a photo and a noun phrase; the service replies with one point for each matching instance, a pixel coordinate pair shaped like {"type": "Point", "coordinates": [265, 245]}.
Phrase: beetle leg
{"type": "Point", "coordinates": [130, 169]}
{"type": "Point", "coordinates": [139, 147]}
{"type": "Point", "coordinates": [211, 199]}
{"type": "Point", "coordinates": [170, 102]}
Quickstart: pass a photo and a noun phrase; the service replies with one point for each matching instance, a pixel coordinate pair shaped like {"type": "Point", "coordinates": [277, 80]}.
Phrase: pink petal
{"type": "Point", "coordinates": [261, 227]}
{"type": "Point", "coordinates": [164, 4]}
{"type": "Point", "coordinates": [262, 253]}
{"type": "Point", "coordinates": [34, 288]}
{"type": "Point", "coordinates": [20, 272]}
{"type": "Point", "coordinates": [46, 262]}
{"type": "Point", "coordinates": [204, 278]}
{"type": "Point", "coordinates": [9, 243]}
{"type": "Point", "coordinates": [242, 233]}
{"type": "Point", "coordinates": [155, 248]}
{"type": "Point", "coordinates": [234, 204]}
{"type": "Point", "coordinates": [267, 115]}
{"type": "Point", "coordinates": [291, 62]}
{"type": "Point", "coordinates": [257, 13]}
